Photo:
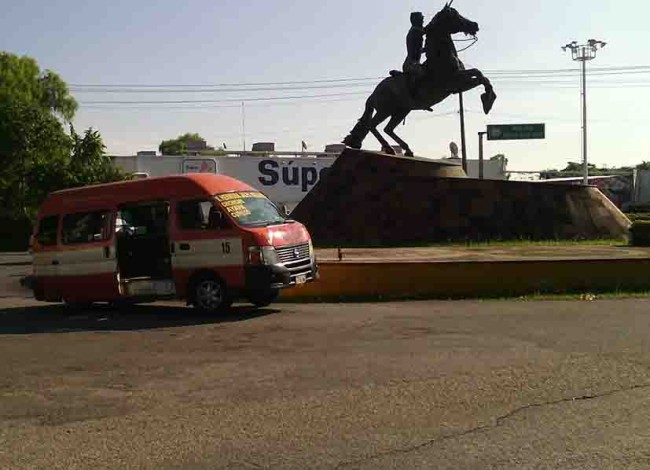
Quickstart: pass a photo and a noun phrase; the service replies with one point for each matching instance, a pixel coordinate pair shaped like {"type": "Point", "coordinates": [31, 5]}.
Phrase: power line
{"type": "Point", "coordinates": [553, 82]}
{"type": "Point", "coordinates": [625, 69]}
{"type": "Point", "coordinates": [298, 98]}
{"type": "Point", "coordinates": [201, 105]}
{"type": "Point", "coordinates": [243, 84]}
{"type": "Point", "coordinates": [219, 90]}
{"type": "Point", "coordinates": [499, 78]}
{"type": "Point", "coordinates": [226, 100]}
{"type": "Point", "coordinates": [541, 79]}
{"type": "Point", "coordinates": [325, 83]}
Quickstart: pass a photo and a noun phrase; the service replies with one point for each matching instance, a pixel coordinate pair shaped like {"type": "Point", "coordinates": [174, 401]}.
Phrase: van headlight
{"type": "Point", "coordinates": [262, 255]}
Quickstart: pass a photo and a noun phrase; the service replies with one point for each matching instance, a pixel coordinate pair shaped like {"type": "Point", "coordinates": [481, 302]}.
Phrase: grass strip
{"type": "Point", "coordinates": [621, 242]}
{"type": "Point", "coordinates": [574, 295]}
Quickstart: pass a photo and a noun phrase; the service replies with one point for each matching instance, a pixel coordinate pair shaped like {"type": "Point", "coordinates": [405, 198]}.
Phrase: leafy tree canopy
{"type": "Point", "coordinates": [182, 144]}
{"type": "Point", "coordinates": [33, 148]}
{"type": "Point", "coordinates": [22, 80]}
{"type": "Point", "coordinates": [574, 169]}
{"type": "Point", "coordinates": [37, 156]}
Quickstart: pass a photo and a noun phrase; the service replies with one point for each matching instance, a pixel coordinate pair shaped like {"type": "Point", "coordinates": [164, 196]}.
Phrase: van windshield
{"type": "Point", "coordinates": [251, 209]}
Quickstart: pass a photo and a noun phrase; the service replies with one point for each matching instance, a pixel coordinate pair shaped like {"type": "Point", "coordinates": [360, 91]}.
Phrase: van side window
{"type": "Point", "coordinates": [85, 227]}
{"type": "Point", "coordinates": [47, 229]}
{"type": "Point", "coordinates": [194, 215]}
{"type": "Point", "coordinates": [143, 220]}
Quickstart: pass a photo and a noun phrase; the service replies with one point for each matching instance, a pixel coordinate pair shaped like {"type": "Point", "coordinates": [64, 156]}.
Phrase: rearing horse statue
{"type": "Point", "coordinates": [444, 75]}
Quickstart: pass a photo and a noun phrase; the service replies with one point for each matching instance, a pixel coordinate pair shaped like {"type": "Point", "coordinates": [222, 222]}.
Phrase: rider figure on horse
{"type": "Point", "coordinates": [415, 46]}
{"type": "Point", "coordinates": [412, 66]}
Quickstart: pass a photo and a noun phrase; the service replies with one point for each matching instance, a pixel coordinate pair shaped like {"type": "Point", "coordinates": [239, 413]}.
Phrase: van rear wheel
{"type": "Point", "coordinates": [210, 295]}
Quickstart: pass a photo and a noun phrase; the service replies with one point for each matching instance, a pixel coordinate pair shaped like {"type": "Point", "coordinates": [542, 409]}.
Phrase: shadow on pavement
{"type": "Point", "coordinates": [59, 319]}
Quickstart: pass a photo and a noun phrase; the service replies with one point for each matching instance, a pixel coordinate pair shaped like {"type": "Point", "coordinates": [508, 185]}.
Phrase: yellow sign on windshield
{"type": "Point", "coordinates": [239, 195]}
{"type": "Point", "coordinates": [234, 202]}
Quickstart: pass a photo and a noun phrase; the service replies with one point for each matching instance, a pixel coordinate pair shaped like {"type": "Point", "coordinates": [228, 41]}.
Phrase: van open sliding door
{"type": "Point", "coordinates": [143, 249]}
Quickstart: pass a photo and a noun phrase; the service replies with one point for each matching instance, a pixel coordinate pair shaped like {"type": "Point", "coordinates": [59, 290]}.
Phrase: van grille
{"type": "Point", "coordinates": [292, 254]}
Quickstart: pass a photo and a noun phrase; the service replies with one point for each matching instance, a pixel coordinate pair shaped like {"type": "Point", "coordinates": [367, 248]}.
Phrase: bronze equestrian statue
{"type": "Point", "coordinates": [422, 86]}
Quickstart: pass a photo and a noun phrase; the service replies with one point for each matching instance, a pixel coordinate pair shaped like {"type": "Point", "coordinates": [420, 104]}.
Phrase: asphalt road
{"type": "Point", "coordinates": [364, 386]}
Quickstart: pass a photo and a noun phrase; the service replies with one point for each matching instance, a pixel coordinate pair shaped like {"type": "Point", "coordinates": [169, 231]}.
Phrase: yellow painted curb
{"type": "Point", "coordinates": [472, 279]}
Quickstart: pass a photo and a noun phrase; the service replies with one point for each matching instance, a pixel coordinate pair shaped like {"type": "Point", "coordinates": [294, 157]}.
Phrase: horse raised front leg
{"type": "Point", "coordinates": [489, 97]}
{"type": "Point", "coordinates": [476, 73]}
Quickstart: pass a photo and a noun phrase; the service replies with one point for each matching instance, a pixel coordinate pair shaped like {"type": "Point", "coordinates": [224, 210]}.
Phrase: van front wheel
{"type": "Point", "coordinates": [210, 295]}
{"type": "Point", "coordinates": [265, 298]}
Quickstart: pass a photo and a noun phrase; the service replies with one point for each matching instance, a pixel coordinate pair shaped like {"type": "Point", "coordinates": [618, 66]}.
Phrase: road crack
{"type": "Point", "coordinates": [494, 424]}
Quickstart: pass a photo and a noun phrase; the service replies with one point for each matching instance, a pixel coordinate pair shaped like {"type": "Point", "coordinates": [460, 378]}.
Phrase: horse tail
{"type": "Point", "coordinates": [357, 135]}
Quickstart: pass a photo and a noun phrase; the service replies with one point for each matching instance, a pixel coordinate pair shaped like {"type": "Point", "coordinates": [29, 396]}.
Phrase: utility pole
{"type": "Point", "coordinates": [243, 124]}
{"type": "Point", "coordinates": [463, 146]}
{"type": "Point", "coordinates": [583, 53]}
{"type": "Point", "coordinates": [480, 155]}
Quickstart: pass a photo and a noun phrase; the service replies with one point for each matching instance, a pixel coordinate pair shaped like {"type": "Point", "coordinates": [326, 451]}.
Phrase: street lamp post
{"type": "Point", "coordinates": [583, 53]}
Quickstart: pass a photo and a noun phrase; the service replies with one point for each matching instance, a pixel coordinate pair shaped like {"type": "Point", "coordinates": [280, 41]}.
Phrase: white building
{"type": "Point", "coordinates": [285, 177]}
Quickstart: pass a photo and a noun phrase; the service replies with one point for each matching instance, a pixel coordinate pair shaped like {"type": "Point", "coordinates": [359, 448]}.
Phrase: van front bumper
{"type": "Point", "coordinates": [278, 276]}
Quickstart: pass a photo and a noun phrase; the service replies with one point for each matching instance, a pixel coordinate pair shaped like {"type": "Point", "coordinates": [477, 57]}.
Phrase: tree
{"type": "Point", "coordinates": [182, 144]}
{"type": "Point", "coordinates": [22, 80]}
{"type": "Point", "coordinates": [575, 170]}
{"type": "Point", "coordinates": [573, 166]}
{"type": "Point", "coordinates": [89, 163]}
{"type": "Point", "coordinates": [32, 105]}
{"type": "Point", "coordinates": [36, 154]}
{"type": "Point", "coordinates": [38, 158]}
{"type": "Point", "coordinates": [30, 140]}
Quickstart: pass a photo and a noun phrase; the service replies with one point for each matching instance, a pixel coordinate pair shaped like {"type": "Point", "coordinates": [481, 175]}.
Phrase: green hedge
{"type": "Point", "coordinates": [14, 233]}
{"type": "Point", "coordinates": [640, 233]}
{"type": "Point", "coordinates": [638, 216]}
{"type": "Point", "coordinates": [639, 209]}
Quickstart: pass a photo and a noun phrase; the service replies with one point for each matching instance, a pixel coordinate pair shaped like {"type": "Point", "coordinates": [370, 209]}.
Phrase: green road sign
{"type": "Point", "coordinates": [516, 131]}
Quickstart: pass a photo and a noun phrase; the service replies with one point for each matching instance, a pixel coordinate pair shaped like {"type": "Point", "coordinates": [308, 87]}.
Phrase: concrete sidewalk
{"type": "Point", "coordinates": [451, 253]}
{"type": "Point", "coordinates": [10, 280]}
{"type": "Point", "coordinates": [425, 385]}
{"type": "Point", "coordinates": [15, 259]}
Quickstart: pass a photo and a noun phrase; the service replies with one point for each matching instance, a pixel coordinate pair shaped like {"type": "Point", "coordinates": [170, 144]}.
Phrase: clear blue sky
{"type": "Point", "coordinates": [232, 41]}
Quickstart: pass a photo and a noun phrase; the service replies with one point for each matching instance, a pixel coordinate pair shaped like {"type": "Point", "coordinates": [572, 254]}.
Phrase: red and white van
{"type": "Point", "coordinates": [206, 238]}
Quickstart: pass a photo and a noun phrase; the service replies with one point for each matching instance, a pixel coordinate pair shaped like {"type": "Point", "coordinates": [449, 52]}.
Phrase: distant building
{"type": "Point", "coordinates": [641, 194]}
{"type": "Point", "coordinates": [263, 147]}
{"type": "Point", "coordinates": [618, 188]}
{"type": "Point", "coordinates": [147, 153]}
{"type": "Point", "coordinates": [492, 169]}
{"type": "Point", "coordinates": [334, 148]}
{"type": "Point", "coordinates": [285, 177]}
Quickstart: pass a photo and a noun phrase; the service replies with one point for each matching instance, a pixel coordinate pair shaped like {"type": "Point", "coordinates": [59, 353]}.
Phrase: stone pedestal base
{"type": "Point", "coordinates": [376, 199]}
